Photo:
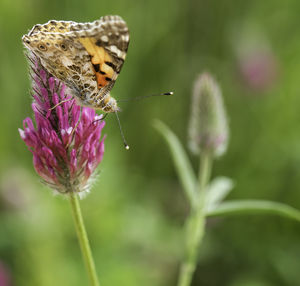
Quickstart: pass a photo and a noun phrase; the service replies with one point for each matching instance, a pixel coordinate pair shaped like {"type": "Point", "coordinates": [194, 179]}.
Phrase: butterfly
{"type": "Point", "coordinates": [87, 57]}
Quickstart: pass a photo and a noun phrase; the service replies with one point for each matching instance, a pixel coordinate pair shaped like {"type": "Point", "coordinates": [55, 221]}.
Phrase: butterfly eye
{"type": "Point", "coordinates": [63, 47]}
{"type": "Point", "coordinates": [42, 47]}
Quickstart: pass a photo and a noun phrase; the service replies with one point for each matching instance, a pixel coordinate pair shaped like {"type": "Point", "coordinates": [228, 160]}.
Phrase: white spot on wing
{"type": "Point", "coordinates": [125, 38]}
{"type": "Point", "coordinates": [114, 49]}
{"type": "Point", "coordinates": [118, 52]}
{"type": "Point", "coordinates": [66, 61]}
{"type": "Point", "coordinates": [104, 38]}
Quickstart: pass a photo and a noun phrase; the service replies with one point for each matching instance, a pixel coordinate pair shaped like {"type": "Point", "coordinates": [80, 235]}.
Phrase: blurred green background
{"type": "Point", "coordinates": [136, 210]}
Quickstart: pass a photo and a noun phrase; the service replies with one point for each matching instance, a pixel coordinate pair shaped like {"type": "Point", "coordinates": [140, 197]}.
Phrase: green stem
{"type": "Point", "coordinates": [195, 224]}
{"type": "Point", "coordinates": [83, 239]}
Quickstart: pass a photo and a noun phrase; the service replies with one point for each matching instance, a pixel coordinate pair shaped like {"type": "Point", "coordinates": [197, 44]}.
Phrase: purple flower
{"type": "Point", "coordinates": [64, 158]}
{"type": "Point", "coordinates": [259, 69]}
{"type": "Point", "coordinates": [257, 63]}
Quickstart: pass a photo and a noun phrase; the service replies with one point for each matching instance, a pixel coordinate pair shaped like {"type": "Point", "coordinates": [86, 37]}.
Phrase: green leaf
{"type": "Point", "coordinates": [254, 207]}
{"type": "Point", "coordinates": [182, 164]}
{"type": "Point", "coordinates": [216, 192]}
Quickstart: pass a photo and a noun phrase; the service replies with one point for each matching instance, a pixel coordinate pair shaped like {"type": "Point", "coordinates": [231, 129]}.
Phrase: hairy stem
{"type": "Point", "coordinates": [195, 224]}
{"type": "Point", "coordinates": [83, 239]}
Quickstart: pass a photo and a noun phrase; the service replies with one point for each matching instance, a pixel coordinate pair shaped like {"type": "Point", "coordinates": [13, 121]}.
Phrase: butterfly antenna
{"type": "Point", "coordinates": [121, 131]}
{"type": "Point", "coordinates": [146, 96]}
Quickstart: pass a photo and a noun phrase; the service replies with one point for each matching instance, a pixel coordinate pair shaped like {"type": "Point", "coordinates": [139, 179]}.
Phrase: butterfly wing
{"type": "Point", "coordinates": [51, 27]}
{"type": "Point", "coordinates": [106, 41]}
{"type": "Point", "coordinates": [87, 57]}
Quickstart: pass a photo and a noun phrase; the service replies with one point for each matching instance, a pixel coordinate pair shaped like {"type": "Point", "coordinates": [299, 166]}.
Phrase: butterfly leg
{"type": "Point", "coordinates": [102, 118]}
{"type": "Point", "coordinates": [60, 103]}
{"type": "Point", "coordinates": [75, 127]}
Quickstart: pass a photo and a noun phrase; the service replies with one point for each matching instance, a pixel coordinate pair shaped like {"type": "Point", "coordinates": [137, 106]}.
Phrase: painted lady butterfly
{"type": "Point", "coordinates": [87, 57]}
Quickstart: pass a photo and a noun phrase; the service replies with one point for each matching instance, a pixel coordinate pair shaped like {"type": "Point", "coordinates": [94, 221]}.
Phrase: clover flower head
{"type": "Point", "coordinates": [66, 148]}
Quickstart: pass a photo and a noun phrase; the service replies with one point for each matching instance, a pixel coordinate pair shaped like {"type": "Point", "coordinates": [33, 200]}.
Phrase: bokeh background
{"type": "Point", "coordinates": [136, 210]}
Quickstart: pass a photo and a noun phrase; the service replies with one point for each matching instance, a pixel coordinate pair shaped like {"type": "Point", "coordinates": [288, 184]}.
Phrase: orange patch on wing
{"type": "Point", "coordinates": [101, 81]}
{"type": "Point", "coordinates": [99, 57]}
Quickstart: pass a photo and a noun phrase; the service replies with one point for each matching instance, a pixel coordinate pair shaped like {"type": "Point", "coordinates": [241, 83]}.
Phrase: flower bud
{"type": "Point", "coordinates": [208, 129]}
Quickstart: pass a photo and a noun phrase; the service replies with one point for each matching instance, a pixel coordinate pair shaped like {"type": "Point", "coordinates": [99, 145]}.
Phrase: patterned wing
{"type": "Point", "coordinates": [86, 56]}
{"type": "Point", "coordinates": [52, 27]}
{"type": "Point", "coordinates": [106, 41]}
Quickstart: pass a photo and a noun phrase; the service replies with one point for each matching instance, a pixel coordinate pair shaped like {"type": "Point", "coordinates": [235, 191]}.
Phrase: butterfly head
{"type": "Point", "coordinates": [110, 105]}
